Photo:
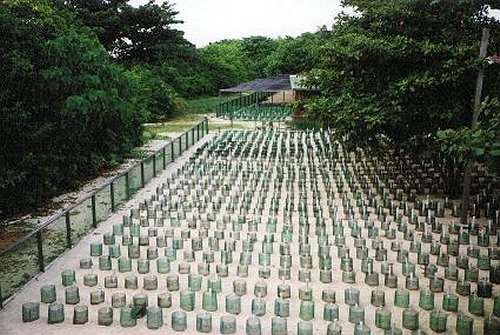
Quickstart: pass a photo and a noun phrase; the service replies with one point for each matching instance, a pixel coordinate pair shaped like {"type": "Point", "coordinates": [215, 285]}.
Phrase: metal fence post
{"type": "Point", "coordinates": [112, 194]}
{"type": "Point", "coordinates": [142, 174]}
{"type": "Point", "coordinates": [39, 243]}
{"type": "Point", "coordinates": [94, 212]}
{"type": "Point", "coordinates": [187, 140]}
{"type": "Point", "coordinates": [164, 158]}
{"type": "Point", "coordinates": [1, 296]}
{"type": "Point", "coordinates": [197, 131]}
{"type": "Point", "coordinates": [172, 150]}
{"type": "Point", "coordinates": [69, 242]}
{"type": "Point", "coordinates": [180, 145]}
{"type": "Point", "coordinates": [127, 186]}
{"type": "Point", "coordinates": [154, 165]}
{"type": "Point", "coordinates": [192, 136]}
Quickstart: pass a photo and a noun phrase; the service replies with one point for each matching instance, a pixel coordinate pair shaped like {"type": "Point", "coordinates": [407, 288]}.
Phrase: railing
{"type": "Point", "coordinates": [263, 113]}
{"type": "Point", "coordinates": [225, 109]}
{"type": "Point", "coordinates": [29, 256]}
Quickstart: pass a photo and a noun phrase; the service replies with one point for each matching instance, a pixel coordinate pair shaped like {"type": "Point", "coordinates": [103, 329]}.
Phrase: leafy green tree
{"type": "Point", "coordinates": [143, 39]}
{"type": "Point", "coordinates": [402, 68]}
{"type": "Point", "coordinates": [481, 144]}
{"type": "Point", "coordinates": [66, 109]}
{"type": "Point", "coordinates": [297, 55]}
{"type": "Point", "coordinates": [132, 34]}
{"type": "Point", "coordinates": [258, 50]}
{"type": "Point", "coordinates": [227, 64]}
{"type": "Point", "coordinates": [160, 99]}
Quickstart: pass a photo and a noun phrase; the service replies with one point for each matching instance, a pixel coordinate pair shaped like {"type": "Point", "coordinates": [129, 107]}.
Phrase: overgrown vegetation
{"type": "Point", "coordinates": [67, 110]}
{"type": "Point", "coordinates": [400, 69]}
{"type": "Point", "coordinates": [80, 78]}
{"type": "Point", "coordinates": [202, 105]}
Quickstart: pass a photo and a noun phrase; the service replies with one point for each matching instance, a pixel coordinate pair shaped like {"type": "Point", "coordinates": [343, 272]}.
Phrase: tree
{"type": "Point", "coordinates": [297, 55]}
{"type": "Point", "coordinates": [258, 50]}
{"type": "Point", "coordinates": [66, 109]}
{"type": "Point", "coordinates": [143, 39]}
{"type": "Point", "coordinates": [130, 34]}
{"type": "Point", "coordinates": [226, 63]}
{"type": "Point", "coordinates": [159, 98]}
{"type": "Point", "coordinates": [401, 68]}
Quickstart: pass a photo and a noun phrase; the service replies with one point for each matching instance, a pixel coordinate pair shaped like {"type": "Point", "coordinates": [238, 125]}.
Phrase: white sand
{"type": "Point", "coordinates": [10, 317]}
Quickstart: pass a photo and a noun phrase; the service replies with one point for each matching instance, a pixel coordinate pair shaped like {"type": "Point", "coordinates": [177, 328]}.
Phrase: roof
{"type": "Point", "coordinates": [276, 83]}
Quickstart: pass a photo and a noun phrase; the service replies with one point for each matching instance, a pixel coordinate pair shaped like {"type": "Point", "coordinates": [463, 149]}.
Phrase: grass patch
{"type": "Point", "coordinates": [202, 105]}
{"type": "Point", "coordinates": [180, 124]}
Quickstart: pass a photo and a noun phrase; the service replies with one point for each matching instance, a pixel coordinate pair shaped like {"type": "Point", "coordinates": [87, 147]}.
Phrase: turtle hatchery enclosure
{"type": "Point", "coordinates": [280, 232]}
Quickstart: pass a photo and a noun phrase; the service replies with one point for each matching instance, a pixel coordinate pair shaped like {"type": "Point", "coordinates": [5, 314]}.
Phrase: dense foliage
{"type": "Point", "coordinates": [403, 68]}
{"type": "Point", "coordinates": [79, 78]}
{"type": "Point", "coordinates": [66, 109]}
{"type": "Point", "coordinates": [229, 62]}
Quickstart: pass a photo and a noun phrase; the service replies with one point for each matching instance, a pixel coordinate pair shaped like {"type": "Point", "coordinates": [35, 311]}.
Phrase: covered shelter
{"type": "Point", "coordinates": [253, 93]}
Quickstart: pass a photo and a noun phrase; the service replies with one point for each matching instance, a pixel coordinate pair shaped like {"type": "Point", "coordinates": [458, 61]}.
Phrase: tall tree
{"type": "Point", "coordinates": [66, 110]}
{"type": "Point", "coordinates": [132, 34]}
{"type": "Point", "coordinates": [227, 63]}
{"type": "Point", "coordinates": [402, 68]}
{"type": "Point", "coordinates": [258, 50]}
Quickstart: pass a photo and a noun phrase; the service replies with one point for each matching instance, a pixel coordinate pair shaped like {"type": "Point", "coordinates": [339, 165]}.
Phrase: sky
{"type": "Point", "coordinates": [208, 21]}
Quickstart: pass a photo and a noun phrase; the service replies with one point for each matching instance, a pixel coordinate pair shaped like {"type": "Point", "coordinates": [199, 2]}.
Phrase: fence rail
{"type": "Point", "coordinates": [32, 253]}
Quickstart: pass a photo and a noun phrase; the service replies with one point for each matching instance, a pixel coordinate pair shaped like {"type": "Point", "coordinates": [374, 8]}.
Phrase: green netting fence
{"type": "Point", "coordinates": [224, 109]}
{"type": "Point", "coordinates": [264, 113]}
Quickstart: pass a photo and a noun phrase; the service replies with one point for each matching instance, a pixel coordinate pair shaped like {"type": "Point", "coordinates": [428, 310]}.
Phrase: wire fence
{"type": "Point", "coordinates": [263, 113]}
{"type": "Point", "coordinates": [31, 254]}
{"type": "Point", "coordinates": [225, 109]}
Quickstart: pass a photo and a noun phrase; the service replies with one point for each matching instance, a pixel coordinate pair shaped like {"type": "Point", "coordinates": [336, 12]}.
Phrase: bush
{"type": "Point", "coordinates": [67, 110]}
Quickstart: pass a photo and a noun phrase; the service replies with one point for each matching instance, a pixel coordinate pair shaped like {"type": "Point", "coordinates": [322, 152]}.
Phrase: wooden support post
{"type": "Point", "coordinates": [172, 151]}
{"type": "Point", "coordinates": [164, 158]}
{"type": "Point", "coordinates": [475, 115]}
{"type": "Point", "coordinates": [154, 165]}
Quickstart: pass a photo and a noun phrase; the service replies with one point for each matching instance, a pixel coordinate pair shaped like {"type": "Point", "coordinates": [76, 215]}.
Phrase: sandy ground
{"type": "Point", "coordinates": [15, 228]}
{"type": "Point", "coordinates": [10, 317]}
{"type": "Point", "coordinates": [71, 260]}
